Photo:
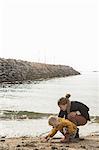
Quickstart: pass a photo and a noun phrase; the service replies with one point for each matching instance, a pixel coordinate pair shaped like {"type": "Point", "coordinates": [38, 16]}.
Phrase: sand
{"type": "Point", "coordinates": [90, 142]}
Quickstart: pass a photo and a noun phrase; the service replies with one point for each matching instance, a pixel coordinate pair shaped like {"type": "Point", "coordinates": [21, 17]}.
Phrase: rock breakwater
{"type": "Point", "coordinates": [12, 71]}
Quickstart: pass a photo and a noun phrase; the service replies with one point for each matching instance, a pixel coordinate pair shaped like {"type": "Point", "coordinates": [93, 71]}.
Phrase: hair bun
{"type": "Point", "coordinates": [67, 95]}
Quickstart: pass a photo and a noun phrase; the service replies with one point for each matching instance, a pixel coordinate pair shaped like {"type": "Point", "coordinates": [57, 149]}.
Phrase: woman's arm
{"type": "Point", "coordinates": [62, 114]}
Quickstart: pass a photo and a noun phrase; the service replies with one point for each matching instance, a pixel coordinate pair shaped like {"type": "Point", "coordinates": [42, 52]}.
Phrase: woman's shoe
{"type": "Point", "coordinates": [77, 134]}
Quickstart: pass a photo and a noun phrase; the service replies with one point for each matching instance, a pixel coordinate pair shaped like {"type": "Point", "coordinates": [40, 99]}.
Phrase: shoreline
{"type": "Point", "coordinates": [90, 142]}
{"type": "Point", "coordinates": [37, 127]}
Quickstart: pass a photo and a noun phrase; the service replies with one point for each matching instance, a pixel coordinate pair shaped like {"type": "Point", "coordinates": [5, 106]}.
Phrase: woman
{"type": "Point", "coordinates": [75, 111]}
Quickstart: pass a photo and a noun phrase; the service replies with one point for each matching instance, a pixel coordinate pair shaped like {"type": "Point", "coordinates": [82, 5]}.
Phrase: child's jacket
{"type": "Point", "coordinates": [70, 126]}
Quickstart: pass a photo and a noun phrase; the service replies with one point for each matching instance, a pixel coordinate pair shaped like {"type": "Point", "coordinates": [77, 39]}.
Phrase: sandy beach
{"type": "Point", "coordinates": [90, 142]}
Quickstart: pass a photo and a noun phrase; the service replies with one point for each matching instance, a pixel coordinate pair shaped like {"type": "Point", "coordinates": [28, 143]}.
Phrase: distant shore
{"type": "Point", "coordinates": [17, 71]}
{"type": "Point", "coordinates": [90, 142]}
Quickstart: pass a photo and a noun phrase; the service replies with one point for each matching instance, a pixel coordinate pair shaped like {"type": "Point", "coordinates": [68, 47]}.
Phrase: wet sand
{"type": "Point", "coordinates": [90, 142]}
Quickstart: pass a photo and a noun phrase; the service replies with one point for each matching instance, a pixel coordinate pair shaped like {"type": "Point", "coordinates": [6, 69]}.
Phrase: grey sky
{"type": "Point", "coordinates": [51, 31]}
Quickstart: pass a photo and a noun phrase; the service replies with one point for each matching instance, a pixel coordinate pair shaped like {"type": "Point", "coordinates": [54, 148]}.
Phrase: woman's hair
{"type": "Point", "coordinates": [64, 100]}
{"type": "Point", "coordinates": [68, 96]}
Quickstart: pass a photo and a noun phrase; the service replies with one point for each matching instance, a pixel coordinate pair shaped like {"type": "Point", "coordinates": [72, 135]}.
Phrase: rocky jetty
{"type": "Point", "coordinates": [13, 71]}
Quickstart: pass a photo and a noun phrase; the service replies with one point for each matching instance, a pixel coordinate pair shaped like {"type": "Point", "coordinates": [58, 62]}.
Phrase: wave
{"type": "Point", "coordinates": [14, 115]}
{"type": "Point", "coordinates": [9, 114]}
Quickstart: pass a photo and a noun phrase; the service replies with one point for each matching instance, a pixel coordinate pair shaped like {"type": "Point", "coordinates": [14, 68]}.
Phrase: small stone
{"type": "Point", "coordinates": [64, 149]}
{"type": "Point", "coordinates": [3, 136]}
{"type": "Point", "coordinates": [53, 147]}
{"type": "Point", "coordinates": [22, 142]}
{"type": "Point", "coordinates": [2, 140]}
{"type": "Point", "coordinates": [18, 146]}
{"type": "Point", "coordinates": [82, 146]}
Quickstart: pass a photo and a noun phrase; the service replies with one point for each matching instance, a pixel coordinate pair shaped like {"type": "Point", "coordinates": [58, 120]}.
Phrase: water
{"type": "Point", "coordinates": [42, 97]}
{"type": "Point", "coordinates": [35, 127]}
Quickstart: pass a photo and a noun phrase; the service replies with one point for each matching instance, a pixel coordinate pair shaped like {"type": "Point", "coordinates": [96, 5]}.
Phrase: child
{"type": "Point", "coordinates": [66, 127]}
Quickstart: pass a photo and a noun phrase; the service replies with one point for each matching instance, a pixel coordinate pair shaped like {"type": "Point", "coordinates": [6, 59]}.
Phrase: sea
{"type": "Point", "coordinates": [42, 97]}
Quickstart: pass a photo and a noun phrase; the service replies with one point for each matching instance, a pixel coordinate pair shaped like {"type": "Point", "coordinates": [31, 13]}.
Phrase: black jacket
{"type": "Point", "coordinates": [76, 106]}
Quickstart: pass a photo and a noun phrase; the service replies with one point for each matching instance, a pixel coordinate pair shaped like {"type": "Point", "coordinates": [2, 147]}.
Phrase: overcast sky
{"type": "Point", "coordinates": [51, 31]}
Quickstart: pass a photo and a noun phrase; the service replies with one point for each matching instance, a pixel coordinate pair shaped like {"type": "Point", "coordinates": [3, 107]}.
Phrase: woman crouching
{"type": "Point", "coordinates": [75, 111]}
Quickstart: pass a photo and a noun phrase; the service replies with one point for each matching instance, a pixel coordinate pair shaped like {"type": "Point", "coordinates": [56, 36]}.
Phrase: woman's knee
{"type": "Point", "coordinates": [77, 119]}
{"type": "Point", "coordinates": [72, 118]}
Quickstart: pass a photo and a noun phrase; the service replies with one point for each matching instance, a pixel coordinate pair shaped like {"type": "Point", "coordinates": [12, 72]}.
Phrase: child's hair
{"type": "Point", "coordinates": [51, 119]}
{"type": "Point", "coordinates": [64, 100]}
